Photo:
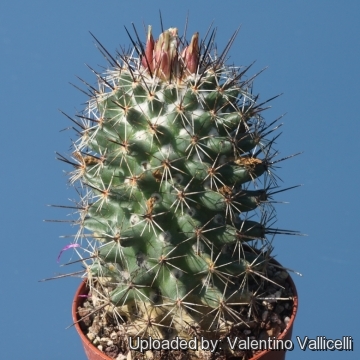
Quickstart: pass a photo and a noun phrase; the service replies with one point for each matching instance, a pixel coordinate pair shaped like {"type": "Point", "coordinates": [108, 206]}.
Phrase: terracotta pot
{"type": "Point", "coordinates": [93, 353]}
{"type": "Point", "coordinates": [285, 335]}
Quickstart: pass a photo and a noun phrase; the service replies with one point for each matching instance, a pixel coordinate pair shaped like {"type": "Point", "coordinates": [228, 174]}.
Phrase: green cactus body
{"type": "Point", "coordinates": [170, 156]}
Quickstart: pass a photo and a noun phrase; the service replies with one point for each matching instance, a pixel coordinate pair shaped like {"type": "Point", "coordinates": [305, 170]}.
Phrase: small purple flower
{"type": "Point", "coordinates": [66, 248]}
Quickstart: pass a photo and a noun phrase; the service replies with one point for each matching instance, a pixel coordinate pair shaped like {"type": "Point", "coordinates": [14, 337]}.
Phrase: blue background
{"type": "Point", "coordinates": [312, 50]}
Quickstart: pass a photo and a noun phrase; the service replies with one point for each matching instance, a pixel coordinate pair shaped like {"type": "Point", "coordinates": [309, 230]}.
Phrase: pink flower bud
{"type": "Point", "coordinates": [147, 59]}
{"type": "Point", "coordinates": [191, 54]}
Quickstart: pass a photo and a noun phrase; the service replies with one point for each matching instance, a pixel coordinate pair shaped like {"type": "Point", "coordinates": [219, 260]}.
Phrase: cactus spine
{"type": "Point", "coordinates": [173, 161]}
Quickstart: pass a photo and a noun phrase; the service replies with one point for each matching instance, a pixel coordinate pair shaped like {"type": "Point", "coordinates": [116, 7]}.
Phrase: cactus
{"type": "Point", "coordinates": [175, 171]}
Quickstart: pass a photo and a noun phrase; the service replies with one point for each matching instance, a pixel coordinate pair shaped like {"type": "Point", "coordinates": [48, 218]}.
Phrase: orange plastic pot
{"type": "Point", "coordinates": [93, 353]}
